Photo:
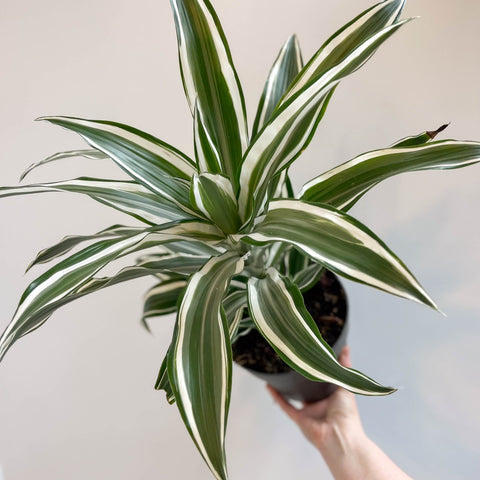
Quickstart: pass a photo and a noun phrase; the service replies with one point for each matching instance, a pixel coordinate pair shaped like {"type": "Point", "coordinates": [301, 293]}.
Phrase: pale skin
{"type": "Point", "coordinates": [334, 427]}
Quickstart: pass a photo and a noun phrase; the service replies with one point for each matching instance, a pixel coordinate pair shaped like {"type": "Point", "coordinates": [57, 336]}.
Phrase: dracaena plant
{"type": "Point", "coordinates": [230, 245]}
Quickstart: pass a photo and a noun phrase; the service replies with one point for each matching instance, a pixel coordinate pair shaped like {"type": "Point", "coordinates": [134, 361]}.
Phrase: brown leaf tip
{"type": "Point", "coordinates": [434, 133]}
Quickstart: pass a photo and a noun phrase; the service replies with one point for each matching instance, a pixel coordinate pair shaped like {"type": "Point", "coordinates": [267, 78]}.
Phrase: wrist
{"type": "Point", "coordinates": [344, 451]}
{"type": "Point", "coordinates": [351, 455]}
{"type": "Point", "coordinates": [343, 441]}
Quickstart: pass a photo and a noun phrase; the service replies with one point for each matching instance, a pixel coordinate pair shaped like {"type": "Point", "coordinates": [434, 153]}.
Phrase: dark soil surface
{"type": "Point", "coordinates": [326, 303]}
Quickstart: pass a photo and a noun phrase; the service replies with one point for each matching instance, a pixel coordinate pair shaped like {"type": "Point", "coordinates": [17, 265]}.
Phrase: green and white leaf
{"type": "Point", "coordinates": [308, 277]}
{"type": "Point", "coordinates": [277, 308]}
{"type": "Point", "coordinates": [213, 195]}
{"type": "Point", "coordinates": [234, 306]}
{"type": "Point", "coordinates": [293, 125]}
{"type": "Point", "coordinates": [343, 42]}
{"type": "Point", "coordinates": [420, 139]}
{"type": "Point", "coordinates": [61, 280]}
{"type": "Point", "coordinates": [154, 164]}
{"type": "Point", "coordinates": [340, 243]}
{"type": "Point", "coordinates": [71, 241]}
{"type": "Point", "coordinates": [194, 248]}
{"type": "Point", "coordinates": [162, 298]}
{"type": "Point", "coordinates": [163, 382]}
{"type": "Point", "coordinates": [74, 273]}
{"type": "Point", "coordinates": [209, 78]}
{"type": "Point", "coordinates": [200, 359]}
{"type": "Point", "coordinates": [206, 153]}
{"type": "Point", "coordinates": [286, 67]}
{"type": "Point", "coordinates": [295, 261]}
{"type": "Point", "coordinates": [344, 185]}
{"type": "Point", "coordinates": [181, 263]}
{"type": "Point", "coordinates": [91, 154]}
{"type": "Point", "coordinates": [127, 197]}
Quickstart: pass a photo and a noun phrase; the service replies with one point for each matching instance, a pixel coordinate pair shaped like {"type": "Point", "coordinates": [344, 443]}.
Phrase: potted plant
{"type": "Point", "coordinates": [229, 243]}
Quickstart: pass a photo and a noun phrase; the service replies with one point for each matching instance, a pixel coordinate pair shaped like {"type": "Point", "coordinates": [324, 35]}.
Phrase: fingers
{"type": "Point", "coordinates": [287, 407]}
{"type": "Point", "coordinates": [344, 357]}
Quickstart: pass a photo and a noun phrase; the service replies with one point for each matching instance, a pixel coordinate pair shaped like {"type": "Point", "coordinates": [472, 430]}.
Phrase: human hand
{"type": "Point", "coordinates": [333, 425]}
{"type": "Point", "coordinates": [333, 418]}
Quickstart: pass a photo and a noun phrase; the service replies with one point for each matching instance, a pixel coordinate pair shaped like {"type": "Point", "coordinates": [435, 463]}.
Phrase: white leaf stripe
{"type": "Point", "coordinates": [174, 162]}
{"type": "Point", "coordinates": [164, 288]}
{"type": "Point", "coordinates": [41, 315]}
{"type": "Point", "coordinates": [181, 263]}
{"type": "Point", "coordinates": [287, 65]}
{"type": "Point", "coordinates": [345, 184]}
{"type": "Point", "coordinates": [340, 243]}
{"type": "Point", "coordinates": [71, 241]}
{"type": "Point", "coordinates": [91, 154]}
{"type": "Point", "coordinates": [179, 232]}
{"type": "Point", "coordinates": [208, 158]}
{"type": "Point", "coordinates": [208, 75]}
{"type": "Point", "coordinates": [60, 280]}
{"type": "Point", "coordinates": [162, 298]}
{"type": "Point", "coordinates": [152, 163]}
{"type": "Point", "coordinates": [277, 147]}
{"type": "Point", "coordinates": [348, 37]}
{"type": "Point", "coordinates": [278, 312]}
{"type": "Point", "coordinates": [234, 305]}
{"type": "Point", "coordinates": [263, 152]}
{"type": "Point", "coordinates": [201, 357]}
{"type": "Point", "coordinates": [76, 272]}
{"type": "Point", "coordinates": [194, 248]}
{"type": "Point", "coordinates": [221, 49]}
{"type": "Point", "coordinates": [234, 323]}
{"type": "Point", "coordinates": [213, 195]}
{"type": "Point", "coordinates": [221, 182]}
{"type": "Point", "coordinates": [306, 278]}
{"type": "Point", "coordinates": [127, 197]}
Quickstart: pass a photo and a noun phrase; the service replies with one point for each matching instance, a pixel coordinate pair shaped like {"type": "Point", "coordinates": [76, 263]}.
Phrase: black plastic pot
{"type": "Point", "coordinates": [295, 386]}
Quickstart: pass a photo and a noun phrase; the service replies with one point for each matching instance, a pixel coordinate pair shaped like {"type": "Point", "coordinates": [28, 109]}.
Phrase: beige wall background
{"type": "Point", "coordinates": [77, 398]}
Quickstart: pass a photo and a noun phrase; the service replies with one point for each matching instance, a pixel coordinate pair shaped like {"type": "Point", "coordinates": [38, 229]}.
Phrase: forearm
{"type": "Point", "coordinates": [354, 456]}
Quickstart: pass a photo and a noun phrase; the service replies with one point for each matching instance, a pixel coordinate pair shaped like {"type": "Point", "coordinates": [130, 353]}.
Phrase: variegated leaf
{"type": "Point", "coordinates": [277, 308]}
{"type": "Point", "coordinates": [279, 187]}
{"type": "Point", "coordinates": [234, 305]}
{"type": "Point", "coordinates": [128, 197]}
{"type": "Point", "coordinates": [59, 281]}
{"type": "Point", "coordinates": [41, 315]}
{"type": "Point", "coordinates": [154, 164]}
{"type": "Point", "coordinates": [71, 241]}
{"type": "Point", "coordinates": [200, 359]}
{"type": "Point", "coordinates": [283, 188]}
{"type": "Point", "coordinates": [293, 125]}
{"type": "Point", "coordinates": [162, 299]}
{"type": "Point", "coordinates": [295, 261]}
{"type": "Point", "coordinates": [209, 78]}
{"type": "Point", "coordinates": [286, 67]}
{"type": "Point", "coordinates": [344, 185]}
{"type": "Point", "coordinates": [163, 382]}
{"type": "Point", "coordinates": [343, 42]}
{"type": "Point", "coordinates": [73, 273]}
{"type": "Point", "coordinates": [206, 153]}
{"type": "Point", "coordinates": [420, 139]}
{"type": "Point", "coordinates": [340, 243]}
{"type": "Point", "coordinates": [184, 232]}
{"type": "Point", "coordinates": [182, 263]}
{"type": "Point", "coordinates": [195, 248]}
{"type": "Point", "coordinates": [91, 154]}
{"type": "Point", "coordinates": [213, 195]}
{"type": "Point", "coordinates": [307, 277]}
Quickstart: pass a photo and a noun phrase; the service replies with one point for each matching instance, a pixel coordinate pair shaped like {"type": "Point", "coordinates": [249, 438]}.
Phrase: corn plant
{"type": "Point", "coordinates": [228, 242]}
